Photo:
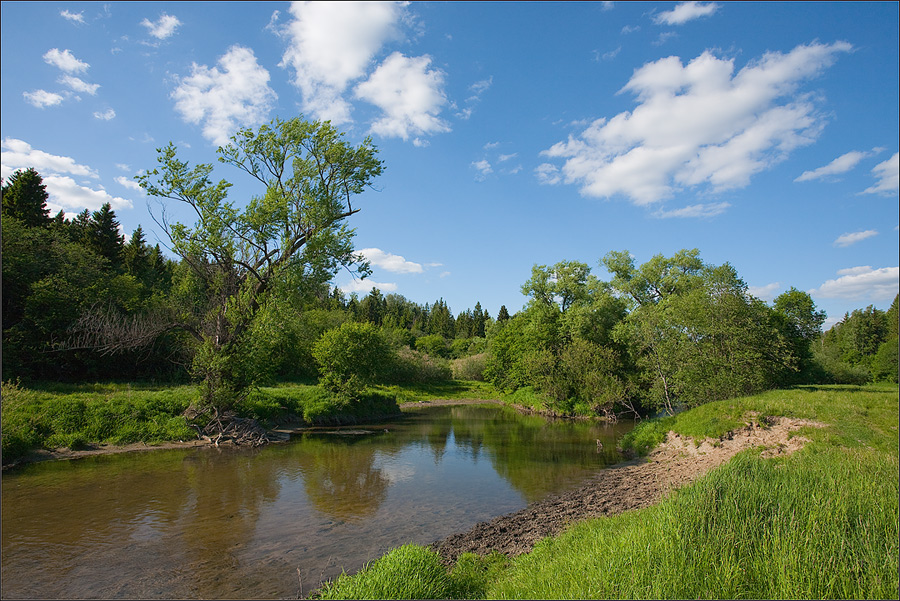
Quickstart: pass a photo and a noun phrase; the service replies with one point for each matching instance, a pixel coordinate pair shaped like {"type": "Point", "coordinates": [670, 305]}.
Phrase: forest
{"type": "Point", "coordinates": [244, 298]}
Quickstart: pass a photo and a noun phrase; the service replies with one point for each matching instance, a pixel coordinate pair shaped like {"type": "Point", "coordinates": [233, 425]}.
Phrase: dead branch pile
{"type": "Point", "coordinates": [228, 427]}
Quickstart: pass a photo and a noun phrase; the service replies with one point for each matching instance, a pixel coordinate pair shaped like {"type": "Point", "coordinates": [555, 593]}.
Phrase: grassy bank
{"type": "Point", "coordinates": [822, 523]}
{"type": "Point", "coordinates": [50, 415]}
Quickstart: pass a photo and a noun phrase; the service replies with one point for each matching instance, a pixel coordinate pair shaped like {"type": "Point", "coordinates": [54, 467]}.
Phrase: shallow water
{"type": "Point", "coordinates": [235, 523]}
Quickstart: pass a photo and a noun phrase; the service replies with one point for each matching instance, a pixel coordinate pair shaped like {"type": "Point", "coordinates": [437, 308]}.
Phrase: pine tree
{"type": "Point", "coordinates": [25, 198]}
{"type": "Point", "coordinates": [503, 314]}
{"type": "Point", "coordinates": [104, 237]}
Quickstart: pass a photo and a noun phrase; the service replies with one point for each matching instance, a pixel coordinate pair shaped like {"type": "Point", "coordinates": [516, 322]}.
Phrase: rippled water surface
{"type": "Point", "coordinates": [234, 523]}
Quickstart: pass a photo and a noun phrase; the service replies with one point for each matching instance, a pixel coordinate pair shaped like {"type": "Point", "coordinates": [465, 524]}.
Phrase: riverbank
{"type": "Point", "coordinates": [630, 485]}
{"type": "Point", "coordinates": [787, 494]}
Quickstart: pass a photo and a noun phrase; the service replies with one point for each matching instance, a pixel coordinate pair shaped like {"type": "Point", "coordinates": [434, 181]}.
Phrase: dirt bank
{"type": "Point", "coordinates": [630, 485]}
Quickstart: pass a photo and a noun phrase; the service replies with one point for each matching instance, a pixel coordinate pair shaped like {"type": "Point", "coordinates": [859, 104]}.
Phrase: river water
{"type": "Point", "coordinates": [266, 523]}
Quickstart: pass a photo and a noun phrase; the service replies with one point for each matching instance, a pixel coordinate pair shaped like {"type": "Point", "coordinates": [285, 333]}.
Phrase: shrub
{"type": "Point", "coordinates": [351, 358]}
{"type": "Point", "coordinates": [433, 344]}
{"type": "Point", "coordinates": [413, 367]}
{"type": "Point", "coordinates": [469, 368]}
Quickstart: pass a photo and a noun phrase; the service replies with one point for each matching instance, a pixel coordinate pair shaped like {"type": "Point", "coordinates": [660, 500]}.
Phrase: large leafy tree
{"type": "Point", "coordinates": [292, 235]}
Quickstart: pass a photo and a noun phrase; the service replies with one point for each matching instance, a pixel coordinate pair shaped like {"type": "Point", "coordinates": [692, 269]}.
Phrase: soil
{"type": "Point", "coordinates": [630, 485]}
{"type": "Point", "coordinates": [64, 453]}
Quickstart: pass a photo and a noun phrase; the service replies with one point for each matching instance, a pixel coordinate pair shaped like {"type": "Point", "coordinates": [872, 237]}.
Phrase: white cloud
{"type": "Point", "coordinates": [106, 115]}
{"type": "Point", "coordinates": [366, 286]}
{"type": "Point", "coordinates": [484, 169]}
{"type": "Point", "coordinates": [698, 124]}
{"type": "Point", "coordinates": [505, 157]}
{"type": "Point", "coordinates": [68, 195]}
{"type": "Point", "coordinates": [686, 11]}
{"type": "Point", "coordinates": [853, 238]}
{"type": "Point", "coordinates": [888, 174]}
{"type": "Point", "coordinates": [129, 183]}
{"type": "Point", "coordinates": [74, 17]}
{"type": "Point", "coordinates": [65, 60]}
{"type": "Point", "coordinates": [330, 45]}
{"type": "Point", "coordinates": [390, 262]}
{"type": "Point", "coordinates": [42, 98]}
{"type": "Point", "coordinates": [79, 85]}
{"type": "Point", "coordinates": [63, 191]}
{"type": "Point", "coordinates": [18, 154]}
{"type": "Point", "coordinates": [766, 293]}
{"type": "Point", "coordinates": [698, 210]}
{"type": "Point", "coordinates": [238, 95]}
{"type": "Point", "coordinates": [409, 93]}
{"type": "Point", "coordinates": [842, 164]}
{"type": "Point", "coordinates": [548, 173]}
{"type": "Point", "coordinates": [164, 27]}
{"type": "Point", "coordinates": [478, 88]}
{"type": "Point", "coordinates": [862, 282]}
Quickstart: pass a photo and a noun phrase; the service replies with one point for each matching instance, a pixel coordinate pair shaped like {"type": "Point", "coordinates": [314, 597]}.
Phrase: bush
{"type": "Point", "coordinates": [884, 364]}
{"type": "Point", "coordinates": [413, 367]}
{"type": "Point", "coordinates": [469, 368]}
{"type": "Point", "coordinates": [351, 358]}
{"type": "Point", "coordinates": [433, 344]}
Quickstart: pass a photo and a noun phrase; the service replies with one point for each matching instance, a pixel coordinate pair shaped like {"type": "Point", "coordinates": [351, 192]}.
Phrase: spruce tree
{"type": "Point", "coordinates": [25, 198]}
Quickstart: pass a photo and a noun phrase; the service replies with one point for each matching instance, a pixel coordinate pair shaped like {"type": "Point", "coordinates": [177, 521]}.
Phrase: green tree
{"type": "Point", "coordinates": [103, 236]}
{"type": "Point", "coordinates": [801, 324]}
{"type": "Point", "coordinates": [351, 357]}
{"type": "Point", "coordinates": [25, 198]}
{"type": "Point", "coordinates": [294, 230]}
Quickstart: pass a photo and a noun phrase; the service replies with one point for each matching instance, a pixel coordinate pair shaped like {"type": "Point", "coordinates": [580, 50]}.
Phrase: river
{"type": "Point", "coordinates": [269, 522]}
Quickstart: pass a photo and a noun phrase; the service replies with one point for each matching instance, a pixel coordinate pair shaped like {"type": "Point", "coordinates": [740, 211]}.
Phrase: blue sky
{"type": "Point", "coordinates": [513, 134]}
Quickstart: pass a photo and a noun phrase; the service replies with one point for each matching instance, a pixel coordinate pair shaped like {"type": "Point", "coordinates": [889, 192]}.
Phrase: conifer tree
{"type": "Point", "coordinates": [25, 198]}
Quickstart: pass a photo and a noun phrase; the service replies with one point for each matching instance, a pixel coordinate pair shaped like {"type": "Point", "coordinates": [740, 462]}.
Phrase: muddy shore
{"type": "Point", "coordinates": [630, 485]}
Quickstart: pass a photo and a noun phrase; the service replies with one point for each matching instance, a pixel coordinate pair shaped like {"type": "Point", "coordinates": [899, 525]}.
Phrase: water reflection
{"type": "Point", "coordinates": [228, 523]}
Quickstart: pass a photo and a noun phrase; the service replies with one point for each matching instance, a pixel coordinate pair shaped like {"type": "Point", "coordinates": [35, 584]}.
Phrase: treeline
{"type": "Point", "coordinates": [673, 332]}
{"type": "Point", "coordinates": [55, 271]}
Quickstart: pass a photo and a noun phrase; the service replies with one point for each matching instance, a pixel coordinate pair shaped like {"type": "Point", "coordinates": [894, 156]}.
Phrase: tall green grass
{"type": "Point", "coordinates": [76, 415]}
{"type": "Point", "coordinates": [822, 523]}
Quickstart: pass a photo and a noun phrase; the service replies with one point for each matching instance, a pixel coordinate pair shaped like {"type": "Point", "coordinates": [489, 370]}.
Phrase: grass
{"type": "Point", "coordinates": [53, 415]}
{"type": "Point", "coordinates": [58, 415]}
{"type": "Point", "coordinates": [451, 389]}
{"type": "Point", "coordinates": [822, 523]}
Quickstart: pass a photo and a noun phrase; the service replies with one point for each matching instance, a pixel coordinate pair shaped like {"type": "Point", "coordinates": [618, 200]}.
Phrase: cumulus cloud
{"type": "Point", "coordinates": [66, 194]}
{"type": "Point", "coordinates": [888, 174]}
{"type": "Point", "coordinates": [163, 28]}
{"type": "Point", "coordinates": [129, 183]}
{"type": "Point", "coordinates": [862, 282]}
{"type": "Point", "coordinates": [42, 98]}
{"type": "Point", "coordinates": [390, 262]}
{"type": "Point", "coordinates": [65, 60]}
{"type": "Point", "coordinates": [854, 237]}
{"type": "Point", "coordinates": [548, 174]}
{"type": "Point", "coordinates": [106, 115]}
{"type": "Point", "coordinates": [74, 17]}
{"type": "Point", "coordinates": [766, 293]}
{"type": "Point", "coordinates": [686, 11]}
{"type": "Point", "coordinates": [330, 45]}
{"type": "Point", "coordinates": [365, 286]}
{"type": "Point", "coordinates": [79, 85]}
{"type": "Point", "coordinates": [56, 172]}
{"type": "Point", "coordinates": [698, 124]}
{"type": "Point", "coordinates": [698, 210]}
{"type": "Point", "coordinates": [409, 93]}
{"type": "Point", "coordinates": [234, 94]}
{"type": "Point", "coordinates": [483, 167]}
{"type": "Point", "coordinates": [842, 164]}
{"type": "Point", "coordinates": [18, 154]}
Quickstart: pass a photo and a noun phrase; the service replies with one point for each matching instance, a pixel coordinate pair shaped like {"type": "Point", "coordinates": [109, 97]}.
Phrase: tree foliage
{"type": "Point", "coordinates": [294, 231]}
